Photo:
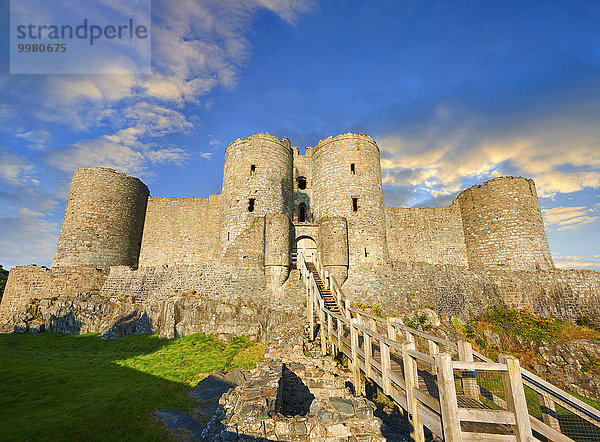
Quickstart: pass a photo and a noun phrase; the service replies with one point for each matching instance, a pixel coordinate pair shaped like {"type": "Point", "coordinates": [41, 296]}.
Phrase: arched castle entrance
{"type": "Point", "coordinates": [306, 245]}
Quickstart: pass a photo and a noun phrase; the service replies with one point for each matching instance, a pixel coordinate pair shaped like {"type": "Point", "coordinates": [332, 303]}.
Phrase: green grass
{"type": "Point", "coordinates": [63, 387]}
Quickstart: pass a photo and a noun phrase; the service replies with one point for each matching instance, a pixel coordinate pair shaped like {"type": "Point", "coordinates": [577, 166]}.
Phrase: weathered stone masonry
{"type": "Point", "coordinates": [239, 247]}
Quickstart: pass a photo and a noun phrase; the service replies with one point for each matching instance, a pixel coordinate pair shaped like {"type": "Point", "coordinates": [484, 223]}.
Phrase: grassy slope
{"type": "Point", "coordinates": [521, 333]}
{"type": "Point", "coordinates": [56, 386]}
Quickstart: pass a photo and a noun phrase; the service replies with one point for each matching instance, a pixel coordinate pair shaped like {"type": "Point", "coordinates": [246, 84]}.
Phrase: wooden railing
{"type": "Point", "coordinates": [442, 385]}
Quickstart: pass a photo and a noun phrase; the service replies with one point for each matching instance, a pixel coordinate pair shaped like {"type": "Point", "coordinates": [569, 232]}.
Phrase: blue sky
{"type": "Point", "coordinates": [454, 92]}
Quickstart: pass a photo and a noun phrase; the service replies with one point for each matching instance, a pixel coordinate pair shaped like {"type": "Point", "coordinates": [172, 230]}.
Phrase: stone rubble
{"type": "Point", "coordinates": [291, 395]}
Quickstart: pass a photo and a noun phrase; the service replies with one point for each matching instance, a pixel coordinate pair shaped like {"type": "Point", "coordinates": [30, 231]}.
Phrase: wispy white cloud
{"type": "Point", "coordinates": [121, 151]}
{"type": "Point", "coordinates": [565, 218]}
{"type": "Point", "coordinates": [37, 138]}
{"type": "Point", "coordinates": [27, 239]}
{"type": "Point", "coordinates": [15, 169]}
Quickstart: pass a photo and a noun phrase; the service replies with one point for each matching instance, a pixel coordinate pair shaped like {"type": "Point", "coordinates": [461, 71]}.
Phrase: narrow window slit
{"type": "Point", "coordinates": [251, 205]}
{"type": "Point", "coordinates": [352, 169]}
{"type": "Point", "coordinates": [355, 204]}
{"type": "Point", "coordinates": [252, 169]}
{"type": "Point", "coordinates": [302, 213]}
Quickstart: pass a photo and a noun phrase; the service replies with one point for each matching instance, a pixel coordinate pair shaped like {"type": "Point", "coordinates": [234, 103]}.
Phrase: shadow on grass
{"type": "Point", "coordinates": [78, 387]}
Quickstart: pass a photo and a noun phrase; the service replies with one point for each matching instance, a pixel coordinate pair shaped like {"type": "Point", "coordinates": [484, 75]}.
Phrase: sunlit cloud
{"type": "Point", "coordinates": [564, 218]}
{"type": "Point", "coordinates": [587, 262]}
{"type": "Point", "coordinates": [562, 155]}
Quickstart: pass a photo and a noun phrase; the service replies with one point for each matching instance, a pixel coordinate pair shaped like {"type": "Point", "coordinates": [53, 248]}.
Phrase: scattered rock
{"type": "Point", "coordinates": [36, 327]}
{"type": "Point", "coordinates": [342, 405]}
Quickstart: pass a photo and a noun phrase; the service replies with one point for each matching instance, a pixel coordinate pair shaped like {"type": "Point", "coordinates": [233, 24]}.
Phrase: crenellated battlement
{"type": "Point", "coordinates": [345, 136]}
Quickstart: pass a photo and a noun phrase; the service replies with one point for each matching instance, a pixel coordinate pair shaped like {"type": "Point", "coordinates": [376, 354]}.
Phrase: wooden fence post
{"type": "Point", "coordinates": [340, 331]}
{"type": "Point", "coordinates": [469, 380]}
{"type": "Point", "coordinates": [386, 367]}
{"type": "Point", "coordinates": [411, 383]}
{"type": "Point", "coordinates": [368, 347]}
{"type": "Point", "coordinates": [548, 409]}
{"type": "Point", "coordinates": [311, 312]}
{"type": "Point", "coordinates": [330, 335]}
{"type": "Point", "coordinates": [434, 349]}
{"type": "Point", "coordinates": [391, 330]}
{"type": "Point", "coordinates": [322, 326]}
{"type": "Point", "coordinates": [354, 347]}
{"type": "Point", "coordinates": [515, 398]}
{"type": "Point", "coordinates": [373, 324]}
{"type": "Point", "coordinates": [448, 401]}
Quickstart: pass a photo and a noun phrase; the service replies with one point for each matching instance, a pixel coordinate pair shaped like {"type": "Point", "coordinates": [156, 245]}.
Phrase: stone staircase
{"type": "Point", "coordinates": [328, 298]}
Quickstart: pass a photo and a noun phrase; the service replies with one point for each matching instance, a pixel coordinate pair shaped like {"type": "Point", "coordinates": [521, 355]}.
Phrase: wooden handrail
{"type": "Point", "coordinates": [405, 328]}
{"type": "Point", "coordinates": [435, 413]}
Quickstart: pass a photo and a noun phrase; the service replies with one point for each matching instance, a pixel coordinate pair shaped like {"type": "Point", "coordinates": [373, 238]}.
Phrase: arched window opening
{"type": "Point", "coordinates": [251, 205]}
{"type": "Point", "coordinates": [301, 183]}
{"type": "Point", "coordinates": [302, 213]}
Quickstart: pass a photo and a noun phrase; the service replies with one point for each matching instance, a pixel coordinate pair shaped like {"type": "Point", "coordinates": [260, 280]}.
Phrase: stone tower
{"type": "Point", "coordinates": [503, 226]}
{"type": "Point", "coordinates": [103, 221]}
{"type": "Point", "coordinates": [347, 184]}
{"type": "Point", "coordinates": [258, 181]}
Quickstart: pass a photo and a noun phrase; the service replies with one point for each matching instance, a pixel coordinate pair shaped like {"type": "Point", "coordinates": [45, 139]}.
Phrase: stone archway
{"type": "Point", "coordinates": [306, 245]}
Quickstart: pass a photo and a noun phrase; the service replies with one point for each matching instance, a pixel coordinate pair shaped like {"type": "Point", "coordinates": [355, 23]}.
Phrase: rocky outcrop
{"type": "Point", "coordinates": [176, 316]}
{"type": "Point", "coordinates": [575, 365]}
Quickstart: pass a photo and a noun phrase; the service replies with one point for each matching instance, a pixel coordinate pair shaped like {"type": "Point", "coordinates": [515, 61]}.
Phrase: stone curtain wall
{"type": "Point", "coordinates": [29, 282]}
{"type": "Point", "coordinates": [503, 225]}
{"type": "Point", "coordinates": [269, 183]}
{"type": "Point", "coordinates": [427, 235]}
{"type": "Point", "coordinates": [221, 281]}
{"type": "Point", "coordinates": [181, 231]}
{"type": "Point", "coordinates": [402, 287]}
{"type": "Point", "coordinates": [335, 186]}
{"type": "Point", "coordinates": [103, 221]}
{"type": "Point", "coordinates": [227, 283]}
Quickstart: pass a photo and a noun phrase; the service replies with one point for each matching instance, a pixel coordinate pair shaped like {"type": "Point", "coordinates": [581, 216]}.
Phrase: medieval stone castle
{"type": "Point", "coordinates": [489, 246]}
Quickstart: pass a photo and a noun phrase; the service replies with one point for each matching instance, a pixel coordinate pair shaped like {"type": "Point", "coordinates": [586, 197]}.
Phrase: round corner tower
{"type": "Point", "coordinates": [347, 184]}
{"type": "Point", "coordinates": [503, 225]}
{"type": "Point", "coordinates": [104, 220]}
